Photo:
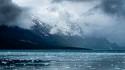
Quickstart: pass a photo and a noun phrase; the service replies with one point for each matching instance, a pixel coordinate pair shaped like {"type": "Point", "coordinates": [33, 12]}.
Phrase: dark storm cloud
{"type": "Point", "coordinates": [113, 7]}
{"type": "Point", "coordinates": [8, 12]}
{"type": "Point", "coordinates": [58, 1]}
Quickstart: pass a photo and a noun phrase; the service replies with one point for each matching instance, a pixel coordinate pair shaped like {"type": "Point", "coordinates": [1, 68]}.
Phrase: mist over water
{"type": "Point", "coordinates": [87, 18]}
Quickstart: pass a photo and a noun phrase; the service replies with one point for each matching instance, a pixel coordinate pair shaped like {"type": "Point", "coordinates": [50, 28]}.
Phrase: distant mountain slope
{"type": "Point", "coordinates": [38, 37]}
{"type": "Point", "coordinates": [17, 38]}
{"type": "Point", "coordinates": [42, 28]}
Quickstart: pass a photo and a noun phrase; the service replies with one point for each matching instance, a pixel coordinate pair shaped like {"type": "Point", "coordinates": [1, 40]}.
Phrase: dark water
{"type": "Point", "coordinates": [61, 61]}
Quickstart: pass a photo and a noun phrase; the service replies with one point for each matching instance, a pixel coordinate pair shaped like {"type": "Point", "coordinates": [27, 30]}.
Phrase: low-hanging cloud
{"type": "Point", "coordinates": [12, 14]}
{"type": "Point", "coordinates": [98, 18]}
{"type": "Point", "coordinates": [111, 13]}
{"type": "Point", "coordinates": [58, 1]}
{"type": "Point", "coordinates": [114, 7]}
{"type": "Point", "coordinates": [8, 11]}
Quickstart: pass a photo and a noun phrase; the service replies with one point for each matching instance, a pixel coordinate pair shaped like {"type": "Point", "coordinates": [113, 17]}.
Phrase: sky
{"type": "Point", "coordinates": [96, 18]}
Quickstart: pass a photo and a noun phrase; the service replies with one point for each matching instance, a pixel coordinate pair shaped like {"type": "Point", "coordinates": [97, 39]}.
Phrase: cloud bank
{"type": "Point", "coordinates": [13, 15]}
{"type": "Point", "coordinates": [96, 18]}
{"type": "Point", "coordinates": [8, 11]}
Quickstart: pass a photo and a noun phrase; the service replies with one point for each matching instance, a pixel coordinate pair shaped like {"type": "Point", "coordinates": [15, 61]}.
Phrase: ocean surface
{"type": "Point", "coordinates": [61, 60]}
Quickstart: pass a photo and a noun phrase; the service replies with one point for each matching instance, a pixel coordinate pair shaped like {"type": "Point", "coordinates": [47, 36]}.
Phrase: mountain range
{"type": "Point", "coordinates": [38, 37]}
